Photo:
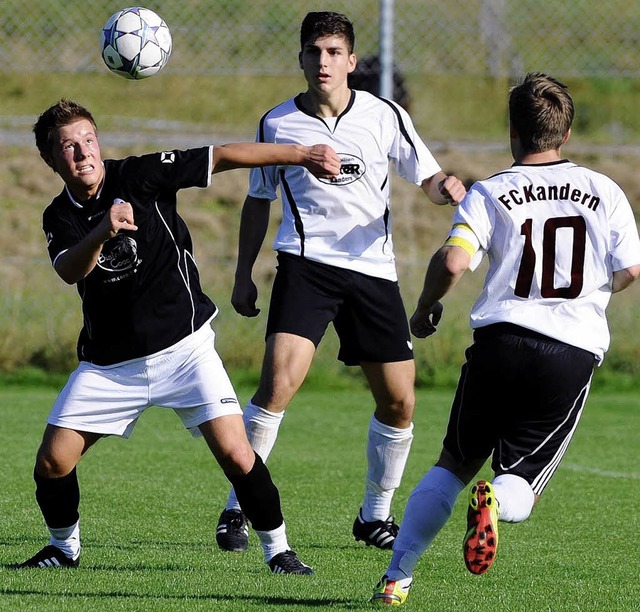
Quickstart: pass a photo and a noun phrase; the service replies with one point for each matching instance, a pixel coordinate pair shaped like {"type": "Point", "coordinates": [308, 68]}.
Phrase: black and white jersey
{"type": "Point", "coordinates": [144, 294]}
{"type": "Point", "coordinates": [554, 234]}
{"type": "Point", "coordinates": [344, 221]}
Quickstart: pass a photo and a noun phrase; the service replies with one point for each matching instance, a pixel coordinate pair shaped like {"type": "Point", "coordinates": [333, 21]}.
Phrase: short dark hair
{"type": "Point", "coordinates": [326, 23]}
{"type": "Point", "coordinates": [541, 111]}
{"type": "Point", "coordinates": [60, 114]}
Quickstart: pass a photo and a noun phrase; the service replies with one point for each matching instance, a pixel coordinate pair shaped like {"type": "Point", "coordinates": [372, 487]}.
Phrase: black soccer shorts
{"type": "Point", "coordinates": [520, 397]}
{"type": "Point", "coordinates": [367, 312]}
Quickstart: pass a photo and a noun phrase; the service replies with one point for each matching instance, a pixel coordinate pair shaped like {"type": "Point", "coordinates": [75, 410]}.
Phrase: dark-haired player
{"type": "Point", "coordinates": [336, 263]}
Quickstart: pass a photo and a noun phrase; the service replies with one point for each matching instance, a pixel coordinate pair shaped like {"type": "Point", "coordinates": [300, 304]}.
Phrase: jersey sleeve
{"type": "Point", "coordinates": [478, 214]}
{"type": "Point", "coordinates": [263, 181]}
{"type": "Point", "coordinates": [624, 241]}
{"type": "Point", "coordinates": [60, 232]}
{"type": "Point", "coordinates": [173, 170]}
{"type": "Point", "coordinates": [413, 160]}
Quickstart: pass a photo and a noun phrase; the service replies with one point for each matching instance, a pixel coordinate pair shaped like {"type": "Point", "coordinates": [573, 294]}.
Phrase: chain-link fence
{"type": "Point", "coordinates": [568, 38]}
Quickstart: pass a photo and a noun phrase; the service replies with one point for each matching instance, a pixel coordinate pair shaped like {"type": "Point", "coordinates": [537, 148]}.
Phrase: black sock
{"type": "Point", "coordinates": [58, 499]}
{"type": "Point", "coordinates": [258, 497]}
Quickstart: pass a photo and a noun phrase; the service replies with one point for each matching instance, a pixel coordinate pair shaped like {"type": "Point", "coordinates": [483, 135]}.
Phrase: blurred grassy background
{"type": "Point", "coordinates": [443, 107]}
{"type": "Point", "coordinates": [463, 120]}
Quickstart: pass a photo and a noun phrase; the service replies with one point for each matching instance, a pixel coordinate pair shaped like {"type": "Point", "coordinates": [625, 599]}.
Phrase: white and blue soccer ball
{"type": "Point", "coordinates": [135, 43]}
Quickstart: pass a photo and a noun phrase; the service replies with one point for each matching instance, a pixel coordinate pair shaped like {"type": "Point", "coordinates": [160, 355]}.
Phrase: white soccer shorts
{"type": "Point", "coordinates": [188, 377]}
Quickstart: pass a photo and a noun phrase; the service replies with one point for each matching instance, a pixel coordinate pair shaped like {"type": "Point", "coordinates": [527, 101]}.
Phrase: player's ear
{"type": "Point", "coordinates": [353, 62]}
{"type": "Point", "coordinates": [566, 136]}
{"type": "Point", "coordinates": [300, 59]}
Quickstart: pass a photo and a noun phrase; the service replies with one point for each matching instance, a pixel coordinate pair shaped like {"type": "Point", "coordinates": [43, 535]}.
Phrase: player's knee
{"type": "Point", "coordinates": [276, 395]}
{"type": "Point", "coordinates": [49, 465]}
{"type": "Point", "coordinates": [396, 412]}
{"type": "Point", "coordinates": [515, 497]}
{"type": "Point", "coordinates": [236, 459]}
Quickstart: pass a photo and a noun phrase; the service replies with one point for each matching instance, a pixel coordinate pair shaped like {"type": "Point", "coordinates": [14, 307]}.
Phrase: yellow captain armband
{"type": "Point", "coordinates": [462, 235]}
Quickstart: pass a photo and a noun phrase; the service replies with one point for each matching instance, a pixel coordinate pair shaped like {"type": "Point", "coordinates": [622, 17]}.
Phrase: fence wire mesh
{"type": "Point", "coordinates": [568, 38]}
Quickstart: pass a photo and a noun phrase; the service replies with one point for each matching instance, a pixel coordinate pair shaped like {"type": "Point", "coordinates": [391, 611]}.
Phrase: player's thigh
{"type": "Point", "coordinates": [286, 363]}
{"type": "Point", "coordinates": [102, 400]}
{"type": "Point", "coordinates": [543, 424]}
{"type": "Point", "coordinates": [485, 388]}
{"type": "Point", "coordinates": [192, 380]}
{"type": "Point", "coordinates": [372, 323]}
{"type": "Point", "coordinates": [305, 297]}
{"type": "Point", "coordinates": [392, 386]}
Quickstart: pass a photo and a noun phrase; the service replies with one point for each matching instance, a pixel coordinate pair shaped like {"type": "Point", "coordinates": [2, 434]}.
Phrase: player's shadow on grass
{"type": "Point", "coordinates": [310, 602]}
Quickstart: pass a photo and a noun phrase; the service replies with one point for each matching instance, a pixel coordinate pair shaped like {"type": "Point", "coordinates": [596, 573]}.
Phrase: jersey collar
{"type": "Point", "coordinates": [97, 196]}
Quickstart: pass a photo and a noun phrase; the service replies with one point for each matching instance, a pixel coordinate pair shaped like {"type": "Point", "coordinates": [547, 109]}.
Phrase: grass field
{"type": "Point", "coordinates": [150, 504]}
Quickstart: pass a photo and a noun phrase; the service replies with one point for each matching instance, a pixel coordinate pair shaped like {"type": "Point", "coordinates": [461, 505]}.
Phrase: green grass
{"type": "Point", "coordinates": [150, 504]}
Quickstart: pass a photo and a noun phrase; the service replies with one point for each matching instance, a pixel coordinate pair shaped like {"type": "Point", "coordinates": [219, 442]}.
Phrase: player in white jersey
{"type": "Point", "coordinates": [336, 263]}
{"type": "Point", "coordinates": [560, 240]}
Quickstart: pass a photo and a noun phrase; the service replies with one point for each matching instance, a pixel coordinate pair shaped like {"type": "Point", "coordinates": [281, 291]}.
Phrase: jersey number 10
{"type": "Point", "coordinates": [528, 261]}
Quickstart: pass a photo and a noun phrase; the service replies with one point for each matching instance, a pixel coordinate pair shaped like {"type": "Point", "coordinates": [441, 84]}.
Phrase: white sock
{"type": "Point", "coordinates": [67, 539]}
{"type": "Point", "coordinates": [387, 453]}
{"type": "Point", "coordinates": [273, 542]}
{"type": "Point", "coordinates": [428, 510]}
{"type": "Point", "coordinates": [262, 430]}
{"type": "Point", "coordinates": [515, 497]}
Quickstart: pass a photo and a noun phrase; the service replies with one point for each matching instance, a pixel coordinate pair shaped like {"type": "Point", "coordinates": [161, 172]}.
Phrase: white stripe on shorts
{"type": "Point", "coordinates": [543, 478]}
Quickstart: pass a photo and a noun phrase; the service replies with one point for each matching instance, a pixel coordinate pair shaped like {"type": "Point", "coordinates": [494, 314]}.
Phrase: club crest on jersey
{"type": "Point", "coordinates": [119, 254]}
{"type": "Point", "coordinates": [167, 157]}
{"type": "Point", "coordinates": [352, 169]}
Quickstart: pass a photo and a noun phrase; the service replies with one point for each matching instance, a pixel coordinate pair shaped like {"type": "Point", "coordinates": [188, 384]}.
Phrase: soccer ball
{"type": "Point", "coordinates": [135, 43]}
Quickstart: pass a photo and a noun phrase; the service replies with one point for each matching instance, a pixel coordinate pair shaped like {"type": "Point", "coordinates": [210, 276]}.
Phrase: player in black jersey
{"type": "Point", "coordinates": [115, 232]}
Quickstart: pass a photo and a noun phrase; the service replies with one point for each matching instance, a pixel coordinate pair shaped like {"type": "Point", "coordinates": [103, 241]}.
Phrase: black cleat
{"type": "Point", "coordinates": [49, 556]}
{"type": "Point", "coordinates": [380, 534]}
{"type": "Point", "coordinates": [232, 532]}
{"type": "Point", "coordinates": [287, 562]}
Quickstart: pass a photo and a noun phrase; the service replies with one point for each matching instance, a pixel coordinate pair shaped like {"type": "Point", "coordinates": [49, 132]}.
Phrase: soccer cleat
{"type": "Point", "coordinates": [49, 556]}
{"type": "Point", "coordinates": [380, 534]}
{"type": "Point", "coordinates": [391, 592]}
{"type": "Point", "coordinates": [287, 562]}
{"type": "Point", "coordinates": [480, 544]}
{"type": "Point", "coordinates": [232, 532]}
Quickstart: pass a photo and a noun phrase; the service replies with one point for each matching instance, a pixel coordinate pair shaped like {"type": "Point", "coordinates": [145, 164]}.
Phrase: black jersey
{"type": "Point", "coordinates": [144, 293]}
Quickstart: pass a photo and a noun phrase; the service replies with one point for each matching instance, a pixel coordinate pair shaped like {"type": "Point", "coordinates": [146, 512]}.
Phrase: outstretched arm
{"type": "Point", "coordinates": [443, 189]}
{"type": "Point", "coordinates": [254, 222]}
{"type": "Point", "coordinates": [320, 160]}
{"type": "Point", "coordinates": [445, 269]}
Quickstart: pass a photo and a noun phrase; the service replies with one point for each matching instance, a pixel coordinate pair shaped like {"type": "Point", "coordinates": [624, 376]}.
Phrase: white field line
{"type": "Point", "coordinates": [574, 467]}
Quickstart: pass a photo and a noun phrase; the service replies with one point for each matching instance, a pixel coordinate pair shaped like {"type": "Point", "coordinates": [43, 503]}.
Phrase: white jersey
{"type": "Point", "coordinates": [343, 222]}
{"type": "Point", "coordinates": [554, 234]}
